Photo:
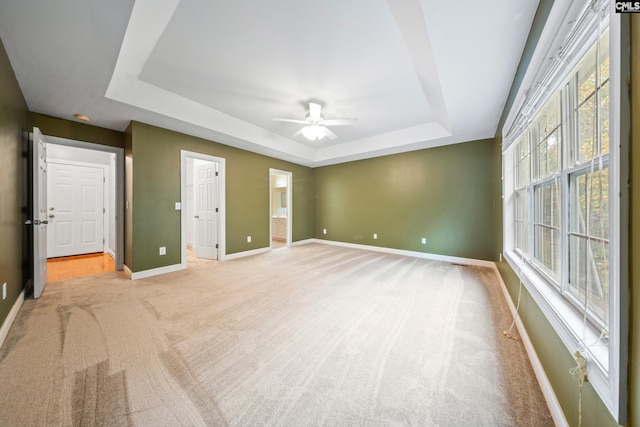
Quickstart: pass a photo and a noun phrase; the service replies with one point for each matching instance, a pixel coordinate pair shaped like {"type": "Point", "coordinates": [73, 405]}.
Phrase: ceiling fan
{"type": "Point", "coordinates": [316, 126]}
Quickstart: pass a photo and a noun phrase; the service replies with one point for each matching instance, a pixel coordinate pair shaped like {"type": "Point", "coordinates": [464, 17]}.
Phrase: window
{"type": "Point", "coordinates": [588, 234]}
{"type": "Point", "coordinates": [548, 164]}
{"type": "Point", "coordinates": [559, 172]}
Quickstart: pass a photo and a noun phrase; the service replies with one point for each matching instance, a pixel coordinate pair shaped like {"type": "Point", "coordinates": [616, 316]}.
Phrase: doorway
{"type": "Point", "coordinates": [82, 172]}
{"type": "Point", "coordinates": [280, 204]}
{"type": "Point", "coordinates": [202, 203]}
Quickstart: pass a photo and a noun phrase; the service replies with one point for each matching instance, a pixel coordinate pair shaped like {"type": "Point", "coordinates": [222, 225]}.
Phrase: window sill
{"type": "Point", "coordinates": [569, 324]}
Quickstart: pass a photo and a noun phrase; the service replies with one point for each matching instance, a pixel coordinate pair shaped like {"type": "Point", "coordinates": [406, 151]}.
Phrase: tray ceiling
{"type": "Point", "coordinates": [416, 74]}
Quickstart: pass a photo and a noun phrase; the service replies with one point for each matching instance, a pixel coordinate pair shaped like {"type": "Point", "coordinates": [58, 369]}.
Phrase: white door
{"type": "Point", "coordinates": [76, 210]}
{"type": "Point", "coordinates": [39, 213]}
{"type": "Point", "coordinates": [206, 211]}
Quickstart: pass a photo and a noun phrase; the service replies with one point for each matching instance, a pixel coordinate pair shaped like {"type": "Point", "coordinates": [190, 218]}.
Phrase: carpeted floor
{"type": "Point", "coordinates": [301, 336]}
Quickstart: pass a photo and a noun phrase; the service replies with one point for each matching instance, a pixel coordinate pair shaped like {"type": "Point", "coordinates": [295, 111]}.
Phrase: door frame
{"type": "Point", "coordinates": [222, 238]}
{"type": "Point", "coordinates": [118, 209]}
{"type": "Point", "coordinates": [289, 176]}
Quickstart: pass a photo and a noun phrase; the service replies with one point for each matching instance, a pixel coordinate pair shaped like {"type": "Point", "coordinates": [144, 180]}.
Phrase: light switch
{"type": "Point", "coordinates": [178, 206]}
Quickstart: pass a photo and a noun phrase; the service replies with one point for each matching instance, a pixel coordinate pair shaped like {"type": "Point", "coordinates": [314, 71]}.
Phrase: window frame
{"type": "Point", "coordinates": [607, 360]}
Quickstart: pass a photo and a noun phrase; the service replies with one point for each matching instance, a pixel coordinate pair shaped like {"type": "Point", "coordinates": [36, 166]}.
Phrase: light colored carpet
{"type": "Point", "coordinates": [301, 336]}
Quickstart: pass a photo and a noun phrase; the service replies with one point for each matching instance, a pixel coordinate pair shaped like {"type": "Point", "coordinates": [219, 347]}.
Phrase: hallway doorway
{"type": "Point", "coordinates": [84, 193]}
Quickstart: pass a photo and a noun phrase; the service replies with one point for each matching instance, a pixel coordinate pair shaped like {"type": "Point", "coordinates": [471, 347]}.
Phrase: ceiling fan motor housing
{"type": "Point", "coordinates": [313, 120]}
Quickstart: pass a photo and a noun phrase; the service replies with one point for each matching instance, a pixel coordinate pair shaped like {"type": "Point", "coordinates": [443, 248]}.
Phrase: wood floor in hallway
{"type": "Point", "coordinates": [79, 266]}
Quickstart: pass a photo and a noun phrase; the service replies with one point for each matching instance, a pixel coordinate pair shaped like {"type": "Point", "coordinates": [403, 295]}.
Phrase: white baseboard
{"type": "Point", "coordinates": [547, 390]}
{"type": "Point", "coordinates": [6, 325]}
{"type": "Point", "coordinates": [154, 271]}
{"type": "Point", "coordinates": [111, 253]}
{"type": "Point", "coordinates": [246, 253]}
{"type": "Point", "coordinates": [425, 255]}
{"type": "Point", "coordinates": [303, 242]}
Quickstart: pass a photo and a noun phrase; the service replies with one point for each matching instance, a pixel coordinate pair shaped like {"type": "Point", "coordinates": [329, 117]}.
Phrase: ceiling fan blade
{"type": "Point", "coordinates": [298, 133]}
{"type": "Point", "coordinates": [277, 119]}
{"type": "Point", "coordinates": [328, 132]}
{"type": "Point", "coordinates": [314, 110]}
{"type": "Point", "coordinates": [338, 122]}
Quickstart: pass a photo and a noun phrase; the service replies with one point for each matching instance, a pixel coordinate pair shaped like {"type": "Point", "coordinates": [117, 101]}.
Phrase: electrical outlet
{"type": "Point", "coordinates": [424, 240]}
{"type": "Point", "coordinates": [163, 250]}
{"type": "Point", "coordinates": [500, 256]}
{"type": "Point", "coordinates": [4, 290]}
{"type": "Point", "coordinates": [248, 239]}
{"type": "Point", "coordinates": [375, 235]}
{"type": "Point", "coordinates": [324, 231]}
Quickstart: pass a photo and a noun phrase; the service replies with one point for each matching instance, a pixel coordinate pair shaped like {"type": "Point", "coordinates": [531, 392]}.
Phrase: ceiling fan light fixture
{"type": "Point", "coordinates": [316, 127]}
{"type": "Point", "coordinates": [312, 132]}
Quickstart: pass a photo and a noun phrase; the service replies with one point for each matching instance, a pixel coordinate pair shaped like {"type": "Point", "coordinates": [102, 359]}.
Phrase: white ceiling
{"type": "Point", "coordinates": [416, 74]}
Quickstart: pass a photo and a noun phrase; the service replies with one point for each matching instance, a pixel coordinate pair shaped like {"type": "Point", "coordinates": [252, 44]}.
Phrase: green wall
{"type": "Point", "coordinates": [13, 120]}
{"type": "Point", "coordinates": [77, 131]}
{"type": "Point", "coordinates": [155, 187]}
{"type": "Point", "coordinates": [443, 194]}
{"type": "Point", "coordinates": [555, 358]}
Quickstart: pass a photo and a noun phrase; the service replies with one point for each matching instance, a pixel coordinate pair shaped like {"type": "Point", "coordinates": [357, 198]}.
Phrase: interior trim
{"type": "Point", "coordinates": [246, 253]}
{"type": "Point", "coordinates": [6, 325]}
{"type": "Point", "coordinates": [424, 255]}
{"type": "Point", "coordinates": [156, 271]}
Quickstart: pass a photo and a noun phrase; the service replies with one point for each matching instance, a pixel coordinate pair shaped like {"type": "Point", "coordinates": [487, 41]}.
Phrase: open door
{"type": "Point", "coordinates": [211, 240]}
{"type": "Point", "coordinates": [39, 214]}
{"type": "Point", "coordinates": [206, 209]}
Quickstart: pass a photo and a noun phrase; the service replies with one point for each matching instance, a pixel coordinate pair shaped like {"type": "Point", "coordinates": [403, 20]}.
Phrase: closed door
{"type": "Point", "coordinates": [206, 211]}
{"type": "Point", "coordinates": [76, 210]}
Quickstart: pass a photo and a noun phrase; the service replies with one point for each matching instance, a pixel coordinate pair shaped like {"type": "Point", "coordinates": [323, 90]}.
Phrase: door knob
{"type": "Point", "coordinates": [51, 215]}
{"type": "Point", "coordinates": [51, 209]}
{"type": "Point", "coordinates": [197, 216]}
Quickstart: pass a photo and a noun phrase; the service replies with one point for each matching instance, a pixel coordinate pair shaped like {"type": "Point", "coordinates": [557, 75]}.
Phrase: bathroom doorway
{"type": "Point", "coordinates": [280, 208]}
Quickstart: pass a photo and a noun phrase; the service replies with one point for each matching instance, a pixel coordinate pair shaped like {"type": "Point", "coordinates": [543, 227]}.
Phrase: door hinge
{"type": "Point", "coordinates": [216, 246]}
{"type": "Point", "coordinates": [216, 209]}
{"type": "Point", "coordinates": [104, 210]}
{"type": "Point", "coordinates": [216, 173]}
{"type": "Point", "coordinates": [104, 179]}
{"type": "Point", "coordinates": [103, 241]}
